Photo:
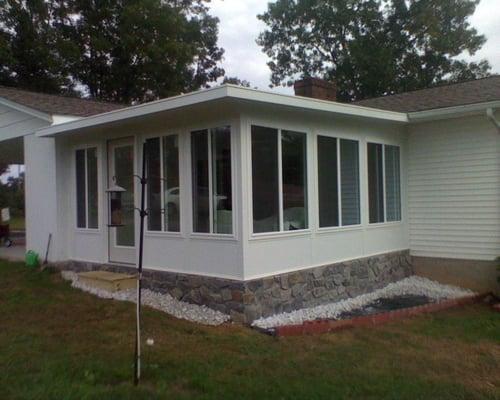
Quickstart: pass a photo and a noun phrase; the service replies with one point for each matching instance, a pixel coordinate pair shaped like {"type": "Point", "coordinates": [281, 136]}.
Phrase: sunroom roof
{"type": "Point", "coordinates": [230, 92]}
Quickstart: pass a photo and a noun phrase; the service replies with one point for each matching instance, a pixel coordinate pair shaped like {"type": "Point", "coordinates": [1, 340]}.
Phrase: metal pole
{"type": "Point", "coordinates": [143, 214]}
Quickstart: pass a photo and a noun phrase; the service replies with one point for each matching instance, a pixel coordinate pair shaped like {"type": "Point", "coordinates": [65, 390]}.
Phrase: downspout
{"type": "Point", "coordinates": [491, 116]}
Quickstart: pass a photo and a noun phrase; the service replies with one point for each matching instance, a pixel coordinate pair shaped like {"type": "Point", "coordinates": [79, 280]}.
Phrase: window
{"type": "Point", "coordinates": [87, 209]}
{"type": "Point", "coordinates": [338, 161]}
{"type": "Point", "coordinates": [279, 180]}
{"type": "Point", "coordinates": [384, 193]}
{"type": "Point", "coordinates": [163, 184]}
{"type": "Point", "coordinates": [211, 179]}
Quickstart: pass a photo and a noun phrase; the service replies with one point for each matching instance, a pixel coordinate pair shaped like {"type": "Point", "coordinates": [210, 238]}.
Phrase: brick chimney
{"type": "Point", "coordinates": [316, 88]}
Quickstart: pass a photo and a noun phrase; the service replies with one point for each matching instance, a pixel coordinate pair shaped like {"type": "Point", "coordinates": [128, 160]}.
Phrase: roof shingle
{"type": "Point", "coordinates": [57, 104]}
{"type": "Point", "coordinates": [458, 94]}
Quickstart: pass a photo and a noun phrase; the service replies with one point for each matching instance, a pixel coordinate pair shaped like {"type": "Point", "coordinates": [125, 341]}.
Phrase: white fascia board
{"type": "Point", "coordinates": [452, 112]}
{"type": "Point", "coordinates": [217, 93]}
{"type": "Point", "coordinates": [26, 110]}
{"type": "Point", "coordinates": [62, 119]}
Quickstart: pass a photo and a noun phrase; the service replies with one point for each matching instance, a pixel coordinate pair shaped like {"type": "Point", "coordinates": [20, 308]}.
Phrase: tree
{"type": "Point", "coordinates": [233, 80]}
{"type": "Point", "coordinates": [29, 46]}
{"type": "Point", "coordinates": [129, 51]}
{"type": "Point", "coordinates": [371, 47]}
{"type": "Point", "coordinates": [138, 50]}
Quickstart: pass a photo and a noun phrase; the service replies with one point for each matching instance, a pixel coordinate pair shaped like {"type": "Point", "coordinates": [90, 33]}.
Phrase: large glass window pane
{"type": "Point", "coordinates": [265, 183]}
{"type": "Point", "coordinates": [154, 184]}
{"type": "Point", "coordinates": [221, 180]}
{"type": "Point", "coordinates": [124, 176]}
{"type": "Point", "coordinates": [81, 190]}
{"type": "Point", "coordinates": [294, 173]}
{"type": "Point", "coordinates": [392, 183]}
{"type": "Point", "coordinates": [327, 182]}
{"type": "Point", "coordinates": [93, 209]}
{"type": "Point", "coordinates": [199, 155]}
{"type": "Point", "coordinates": [171, 182]}
{"type": "Point", "coordinates": [349, 177]}
{"type": "Point", "coordinates": [375, 183]}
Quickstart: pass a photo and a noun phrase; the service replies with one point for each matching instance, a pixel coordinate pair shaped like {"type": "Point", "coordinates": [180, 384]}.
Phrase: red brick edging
{"type": "Point", "coordinates": [324, 326]}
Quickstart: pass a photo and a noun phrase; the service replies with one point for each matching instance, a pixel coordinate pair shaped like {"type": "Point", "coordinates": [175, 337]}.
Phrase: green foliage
{"type": "Point", "coordinates": [372, 47]}
{"type": "Point", "coordinates": [233, 80]}
{"type": "Point", "coordinates": [12, 195]}
{"type": "Point", "coordinates": [29, 47]}
{"type": "Point", "coordinates": [127, 51]}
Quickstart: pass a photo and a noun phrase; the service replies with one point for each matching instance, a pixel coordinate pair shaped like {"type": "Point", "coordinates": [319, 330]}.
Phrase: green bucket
{"type": "Point", "coordinates": [32, 259]}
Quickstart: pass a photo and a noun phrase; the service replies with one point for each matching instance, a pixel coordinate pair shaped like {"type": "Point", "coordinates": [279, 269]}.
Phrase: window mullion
{"type": "Point", "coordinates": [163, 211]}
{"type": "Point", "coordinates": [280, 181]}
{"type": "Point", "coordinates": [383, 183]}
{"type": "Point", "coordinates": [210, 182]}
{"type": "Point", "coordinates": [86, 190]}
{"type": "Point", "coordinates": [339, 184]}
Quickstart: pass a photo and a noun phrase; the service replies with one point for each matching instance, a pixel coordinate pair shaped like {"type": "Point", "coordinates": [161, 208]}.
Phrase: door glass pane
{"type": "Point", "coordinates": [171, 183]}
{"type": "Point", "coordinates": [349, 176]}
{"type": "Point", "coordinates": [294, 170]}
{"type": "Point", "coordinates": [375, 183]}
{"type": "Point", "coordinates": [327, 182]}
{"type": "Point", "coordinates": [154, 184]}
{"type": "Point", "coordinates": [93, 209]}
{"type": "Point", "coordinates": [265, 195]}
{"type": "Point", "coordinates": [124, 175]}
{"type": "Point", "coordinates": [392, 183]}
{"type": "Point", "coordinates": [221, 180]}
{"type": "Point", "coordinates": [81, 202]}
{"type": "Point", "coordinates": [199, 156]}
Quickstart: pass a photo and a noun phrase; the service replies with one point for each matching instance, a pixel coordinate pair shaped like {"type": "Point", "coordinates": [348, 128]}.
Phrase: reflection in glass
{"type": "Point", "coordinates": [375, 183]}
{"type": "Point", "coordinates": [124, 177]}
{"type": "Point", "coordinates": [327, 182]}
{"type": "Point", "coordinates": [349, 177]}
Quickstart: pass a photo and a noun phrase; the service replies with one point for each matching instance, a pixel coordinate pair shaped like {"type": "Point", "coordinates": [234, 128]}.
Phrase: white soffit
{"type": "Point", "coordinates": [218, 93]}
{"type": "Point", "coordinates": [453, 112]}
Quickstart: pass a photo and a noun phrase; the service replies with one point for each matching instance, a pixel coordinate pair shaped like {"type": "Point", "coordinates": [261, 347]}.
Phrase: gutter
{"type": "Point", "coordinates": [452, 112]}
{"type": "Point", "coordinates": [490, 114]}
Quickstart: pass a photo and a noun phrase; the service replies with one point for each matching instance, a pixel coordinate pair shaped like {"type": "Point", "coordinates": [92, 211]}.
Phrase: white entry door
{"type": "Point", "coordinates": [121, 171]}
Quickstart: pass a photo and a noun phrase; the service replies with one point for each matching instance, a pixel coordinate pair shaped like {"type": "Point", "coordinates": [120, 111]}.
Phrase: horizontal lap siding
{"type": "Point", "coordinates": [454, 189]}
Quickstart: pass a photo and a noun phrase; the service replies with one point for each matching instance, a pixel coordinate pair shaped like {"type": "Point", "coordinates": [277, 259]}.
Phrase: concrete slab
{"type": "Point", "coordinates": [109, 281]}
{"type": "Point", "coordinates": [13, 253]}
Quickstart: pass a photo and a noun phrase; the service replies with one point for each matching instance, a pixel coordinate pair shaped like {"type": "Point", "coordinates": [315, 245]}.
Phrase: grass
{"type": "Point", "coordinates": [17, 223]}
{"type": "Point", "coordinates": [60, 343]}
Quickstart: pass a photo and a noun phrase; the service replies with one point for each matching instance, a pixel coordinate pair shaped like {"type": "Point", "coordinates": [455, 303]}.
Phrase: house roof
{"type": "Point", "coordinates": [57, 104]}
{"type": "Point", "coordinates": [450, 95]}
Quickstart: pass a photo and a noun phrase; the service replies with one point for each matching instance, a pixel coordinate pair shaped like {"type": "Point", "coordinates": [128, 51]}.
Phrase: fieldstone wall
{"type": "Point", "coordinates": [246, 301]}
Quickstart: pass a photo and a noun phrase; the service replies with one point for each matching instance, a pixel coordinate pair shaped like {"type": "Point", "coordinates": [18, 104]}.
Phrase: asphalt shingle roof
{"type": "Point", "coordinates": [57, 104]}
{"type": "Point", "coordinates": [458, 94]}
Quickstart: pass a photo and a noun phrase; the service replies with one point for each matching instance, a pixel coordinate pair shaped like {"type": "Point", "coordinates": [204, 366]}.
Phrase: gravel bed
{"type": "Point", "coordinates": [413, 285]}
{"type": "Point", "coordinates": [158, 301]}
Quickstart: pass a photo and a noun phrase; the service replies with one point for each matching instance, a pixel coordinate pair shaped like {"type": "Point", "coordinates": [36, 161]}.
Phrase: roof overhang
{"type": "Point", "coordinates": [26, 110]}
{"type": "Point", "coordinates": [453, 112]}
{"type": "Point", "coordinates": [226, 92]}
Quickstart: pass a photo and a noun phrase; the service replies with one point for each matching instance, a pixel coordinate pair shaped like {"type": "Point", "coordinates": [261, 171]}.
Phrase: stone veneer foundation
{"type": "Point", "coordinates": [246, 301]}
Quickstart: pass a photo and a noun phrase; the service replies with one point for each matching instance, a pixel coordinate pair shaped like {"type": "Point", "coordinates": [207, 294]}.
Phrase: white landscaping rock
{"type": "Point", "coordinates": [413, 285]}
{"type": "Point", "coordinates": [158, 301]}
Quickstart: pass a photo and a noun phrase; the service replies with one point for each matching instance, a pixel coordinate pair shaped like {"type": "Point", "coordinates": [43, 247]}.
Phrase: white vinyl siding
{"type": "Point", "coordinates": [454, 189]}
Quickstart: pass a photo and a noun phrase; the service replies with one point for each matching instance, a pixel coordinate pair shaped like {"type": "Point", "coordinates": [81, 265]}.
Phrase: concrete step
{"type": "Point", "coordinates": [109, 281]}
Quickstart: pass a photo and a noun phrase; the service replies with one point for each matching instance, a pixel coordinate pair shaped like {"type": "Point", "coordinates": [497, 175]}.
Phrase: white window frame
{"type": "Point", "coordinates": [340, 226]}
{"type": "Point", "coordinates": [212, 234]}
{"type": "Point", "coordinates": [163, 230]}
{"type": "Point", "coordinates": [384, 222]}
{"type": "Point", "coordinates": [85, 148]}
{"type": "Point", "coordinates": [281, 231]}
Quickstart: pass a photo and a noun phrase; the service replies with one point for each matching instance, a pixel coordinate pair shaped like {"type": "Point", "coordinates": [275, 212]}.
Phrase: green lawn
{"type": "Point", "coordinates": [60, 343]}
{"type": "Point", "coordinates": [17, 223]}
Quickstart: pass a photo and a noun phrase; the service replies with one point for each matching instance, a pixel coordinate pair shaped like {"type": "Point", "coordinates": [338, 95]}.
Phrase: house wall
{"type": "Point", "coordinates": [276, 253]}
{"type": "Point", "coordinates": [454, 189]}
{"type": "Point", "coordinates": [41, 196]}
{"type": "Point", "coordinates": [184, 252]}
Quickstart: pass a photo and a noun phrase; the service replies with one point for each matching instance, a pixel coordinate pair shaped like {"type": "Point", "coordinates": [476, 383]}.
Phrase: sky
{"type": "Point", "coordinates": [239, 28]}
